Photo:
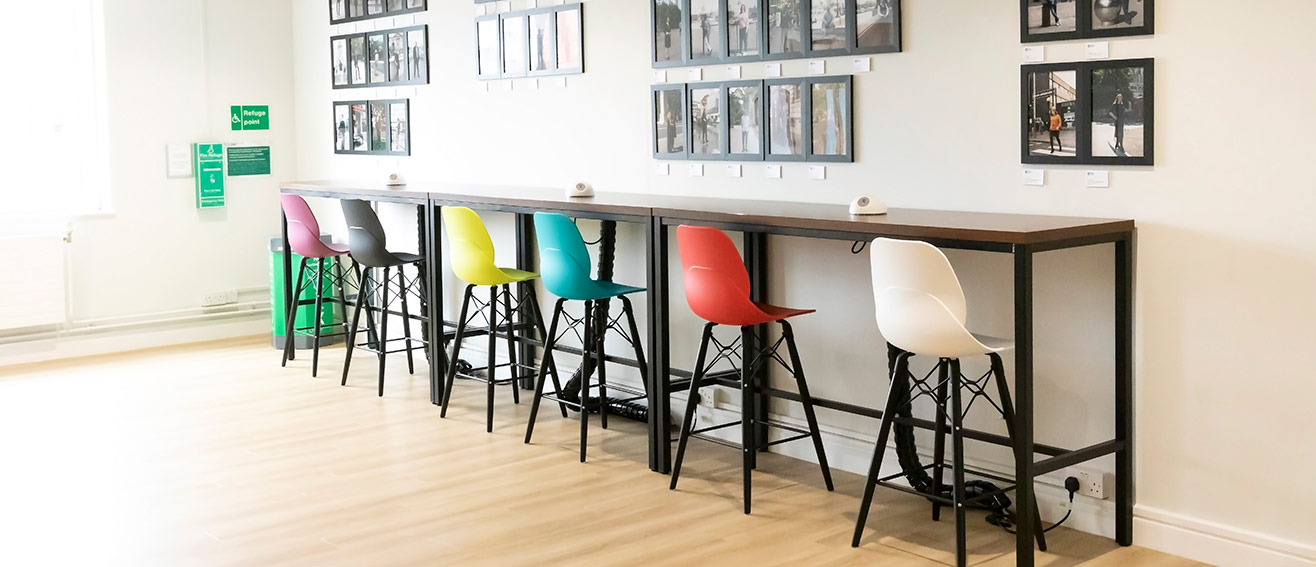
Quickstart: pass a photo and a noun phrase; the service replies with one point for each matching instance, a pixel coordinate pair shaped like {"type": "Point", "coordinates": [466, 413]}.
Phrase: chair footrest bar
{"type": "Point", "coordinates": [789, 439]}
{"type": "Point", "coordinates": [908, 490]}
{"type": "Point", "coordinates": [784, 426]}
{"type": "Point", "coordinates": [714, 427]}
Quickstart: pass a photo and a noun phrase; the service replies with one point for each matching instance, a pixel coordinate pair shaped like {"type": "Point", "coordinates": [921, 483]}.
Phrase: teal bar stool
{"type": "Point", "coordinates": [564, 267]}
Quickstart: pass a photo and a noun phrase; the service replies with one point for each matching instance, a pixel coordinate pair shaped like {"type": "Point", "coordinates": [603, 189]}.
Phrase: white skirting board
{"type": "Point", "coordinates": [146, 336]}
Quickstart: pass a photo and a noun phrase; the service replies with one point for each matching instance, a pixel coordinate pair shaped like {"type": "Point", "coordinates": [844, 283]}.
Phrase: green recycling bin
{"type": "Point", "coordinates": [331, 313]}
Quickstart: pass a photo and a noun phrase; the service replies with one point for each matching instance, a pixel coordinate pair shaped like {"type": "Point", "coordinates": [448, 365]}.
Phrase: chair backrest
{"type": "Point", "coordinates": [716, 282]}
{"type": "Point", "coordinates": [915, 264]}
{"type": "Point", "coordinates": [470, 249]}
{"type": "Point", "coordinates": [365, 235]}
{"type": "Point", "coordinates": [303, 230]}
{"type": "Point", "coordinates": [917, 321]}
{"type": "Point", "coordinates": [564, 263]}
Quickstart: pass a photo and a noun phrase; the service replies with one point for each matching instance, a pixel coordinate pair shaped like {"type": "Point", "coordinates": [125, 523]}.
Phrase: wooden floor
{"type": "Point", "coordinates": [214, 455]}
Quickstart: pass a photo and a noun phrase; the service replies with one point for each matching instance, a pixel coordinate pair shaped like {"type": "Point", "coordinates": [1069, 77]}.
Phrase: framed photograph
{"type": "Point", "coordinates": [395, 5]}
{"type": "Point", "coordinates": [337, 11]}
{"type": "Point", "coordinates": [399, 128]}
{"type": "Point", "coordinates": [1116, 18]}
{"type": "Point", "coordinates": [357, 60]}
{"type": "Point", "coordinates": [488, 47]}
{"type": "Point", "coordinates": [831, 124]}
{"type": "Point", "coordinates": [786, 28]}
{"type": "Point", "coordinates": [418, 60]}
{"type": "Point", "coordinates": [877, 26]}
{"type": "Point", "coordinates": [1120, 111]}
{"type": "Point", "coordinates": [397, 57]}
{"type": "Point", "coordinates": [377, 50]}
{"type": "Point", "coordinates": [338, 50]}
{"type": "Point", "coordinates": [669, 30]}
{"type": "Point", "coordinates": [342, 128]}
{"type": "Point", "coordinates": [786, 125]}
{"type": "Point", "coordinates": [356, 9]}
{"type": "Point", "coordinates": [1051, 113]}
{"type": "Point", "coordinates": [374, 7]}
{"type": "Point", "coordinates": [744, 105]}
{"type": "Point", "coordinates": [341, 11]}
{"type": "Point", "coordinates": [569, 36]}
{"type": "Point", "coordinates": [542, 57]}
{"type": "Point", "coordinates": [1050, 20]}
{"type": "Point", "coordinates": [829, 28]}
{"type": "Point", "coordinates": [744, 27]}
{"type": "Point", "coordinates": [360, 128]}
{"type": "Point", "coordinates": [378, 126]}
{"type": "Point", "coordinates": [669, 122]}
{"type": "Point", "coordinates": [515, 49]}
{"type": "Point", "coordinates": [374, 127]}
{"type": "Point", "coordinates": [707, 128]}
{"type": "Point", "coordinates": [705, 31]}
{"type": "Point", "coordinates": [416, 5]}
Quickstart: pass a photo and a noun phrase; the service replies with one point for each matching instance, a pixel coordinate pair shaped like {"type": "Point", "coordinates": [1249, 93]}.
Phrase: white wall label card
{"type": "Point", "coordinates": [733, 170]}
{"type": "Point", "coordinates": [694, 74]}
{"type": "Point", "coordinates": [733, 71]}
{"type": "Point", "coordinates": [696, 170]}
{"type": "Point", "coordinates": [1035, 54]}
{"type": "Point", "coordinates": [504, 5]}
{"type": "Point", "coordinates": [862, 64]}
{"type": "Point", "coordinates": [1098, 50]}
{"type": "Point", "coordinates": [1098, 178]}
{"type": "Point", "coordinates": [817, 67]}
{"type": "Point", "coordinates": [178, 159]}
{"type": "Point", "coordinates": [772, 69]}
{"type": "Point", "coordinates": [662, 168]}
{"type": "Point", "coordinates": [479, 10]}
{"type": "Point", "coordinates": [660, 76]}
{"type": "Point", "coordinates": [773, 172]}
{"type": "Point", "coordinates": [818, 172]}
{"type": "Point", "coordinates": [1035, 177]}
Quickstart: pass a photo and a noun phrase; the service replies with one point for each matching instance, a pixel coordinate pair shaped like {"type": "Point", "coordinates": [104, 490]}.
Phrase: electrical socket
{"type": "Point", "coordinates": [222, 297]}
{"type": "Point", "coordinates": [1090, 483]}
{"type": "Point", "coordinates": [708, 398]}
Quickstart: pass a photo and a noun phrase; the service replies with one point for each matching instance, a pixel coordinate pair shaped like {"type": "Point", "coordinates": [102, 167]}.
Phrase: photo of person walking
{"type": "Point", "coordinates": [705, 29]}
{"type": "Point", "coordinates": [1047, 17]}
{"type": "Point", "coordinates": [1053, 101]}
{"type": "Point", "coordinates": [1118, 112]}
{"type": "Point", "coordinates": [705, 116]}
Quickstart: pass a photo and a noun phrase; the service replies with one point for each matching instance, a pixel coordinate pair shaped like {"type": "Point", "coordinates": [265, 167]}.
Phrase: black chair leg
{"type": "Point", "coordinates": [957, 452]}
{"type": "Point", "coordinates": [342, 294]}
{"type": "Point", "coordinates": [939, 435]}
{"type": "Point", "coordinates": [797, 368]}
{"type": "Point", "coordinates": [290, 324]}
{"type": "Point", "coordinates": [539, 326]}
{"type": "Point", "coordinates": [383, 329]}
{"type": "Point", "coordinates": [319, 314]}
{"type": "Point", "coordinates": [748, 446]}
{"type": "Point", "coordinates": [406, 320]}
{"type": "Point", "coordinates": [361, 279]}
{"type": "Point", "coordinates": [635, 339]}
{"type": "Point", "coordinates": [456, 350]}
{"type": "Point", "coordinates": [600, 335]}
{"type": "Point", "coordinates": [549, 342]}
{"type": "Point", "coordinates": [491, 371]}
{"type": "Point", "coordinates": [898, 380]}
{"type": "Point", "coordinates": [511, 343]}
{"type": "Point", "coordinates": [1007, 409]}
{"type": "Point", "coordinates": [587, 346]}
{"type": "Point", "coordinates": [691, 401]}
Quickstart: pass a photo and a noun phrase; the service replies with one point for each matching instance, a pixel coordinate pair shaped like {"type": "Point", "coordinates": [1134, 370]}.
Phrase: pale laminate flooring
{"type": "Point", "coordinates": [214, 455]}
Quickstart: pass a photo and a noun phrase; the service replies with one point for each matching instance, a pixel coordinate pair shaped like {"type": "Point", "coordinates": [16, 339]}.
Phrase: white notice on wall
{"type": "Point", "coordinates": [1098, 178]}
{"type": "Point", "coordinates": [178, 158]}
{"type": "Point", "coordinates": [817, 67]}
{"type": "Point", "coordinates": [1098, 50]}
{"type": "Point", "coordinates": [660, 76]}
{"type": "Point", "coordinates": [862, 64]}
{"type": "Point", "coordinates": [818, 172]}
{"type": "Point", "coordinates": [772, 69]}
{"type": "Point", "coordinates": [1035, 54]}
{"type": "Point", "coordinates": [733, 170]}
{"type": "Point", "coordinates": [1034, 177]}
{"type": "Point", "coordinates": [662, 169]}
{"type": "Point", "coordinates": [773, 172]}
{"type": "Point", "coordinates": [733, 71]}
{"type": "Point", "coordinates": [695, 74]}
{"type": "Point", "coordinates": [696, 170]}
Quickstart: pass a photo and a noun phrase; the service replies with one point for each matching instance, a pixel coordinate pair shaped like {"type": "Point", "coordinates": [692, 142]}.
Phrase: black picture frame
{"type": "Point", "coordinates": [1084, 21]}
{"type": "Point", "coordinates": [842, 42]}
{"type": "Point", "coordinates": [354, 128]}
{"type": "Point", "coordinates": [660, 11]}
{"type": "Point", "coordinates": [893, 12]}
{"type": "Point", "coordinates": [774, 125]}
{"type": "Point", "coordinates": [556, 15]}
{"type": "Point", "coordinates": [411, 75]}
{"type": "Point", "coordinates": [698, 130]}
{"type": "Point", "coordinates": [340, 62]}
{"type": "Point", "coordinates": [1085, 119]}
{"type": "Point", "coordinates": [758, 114]}
{"type": "Point", "coordinates": [655, 117]}
{"type": "Point", "coordinates": [407, 7]}
{"type": "Point", "coordinates": [491, 69]}
{"type": "Point", "coordinates": [754, 16]}
{"type": "Point", "coordinates": [798, 13]}
{"type": "Point", "coordinates": [544, 48]}
{"type": "Point", "coordinates": [1058, 93]}
{"type": "Point", "coordinates": [840, 110]}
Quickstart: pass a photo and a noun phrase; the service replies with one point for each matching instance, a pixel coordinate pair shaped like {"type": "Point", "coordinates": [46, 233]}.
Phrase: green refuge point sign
{"type": "Point", "coordinates": [248, 160]}
{"type": "Point", "coordinates": [208, 163]}
{"type": "Point", "coordinates": [249, 117]}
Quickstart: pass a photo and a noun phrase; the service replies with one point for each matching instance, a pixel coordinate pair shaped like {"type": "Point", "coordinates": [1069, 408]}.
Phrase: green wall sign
{"type": "Point", "coordinates": [248, 160]}
{"type": "Point", "coordinates": [208, 163]}
{"type": "Point", "coordinates": [249, 117]}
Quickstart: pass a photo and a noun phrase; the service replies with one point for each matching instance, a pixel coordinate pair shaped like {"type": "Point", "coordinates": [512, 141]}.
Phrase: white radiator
{"type": "Point", "coordinates": [31, 281]}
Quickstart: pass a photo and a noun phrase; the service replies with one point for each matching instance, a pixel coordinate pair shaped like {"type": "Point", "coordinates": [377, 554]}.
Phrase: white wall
{"type": "Point", "coordinates": [1226, 256]}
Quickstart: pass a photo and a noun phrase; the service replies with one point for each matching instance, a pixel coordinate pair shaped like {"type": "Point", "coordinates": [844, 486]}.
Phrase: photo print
{"type": "Point", "coordinates": [399, 131]}
{"type": "Point", "coordinates": [378, 58]}
{"type": "Point", "coordinates": [356, 8]}
{"type": "Point", "coordinates": [744, 114]}
{"type": "Point", "coordinates": [395, 5]}
{"type": "Point", "coordinates": [1046, 20]}
{"type": "Point", "coordinates": [342, 128]}
{"type": "Point", "coordinates": [415, 4]}
{"type": "Point", "coordinates": [1109, 18]}
{"type": "Point", "coordinates": [828, 30]}
{"type": "Point", "coordinates": [340, 71]}
{"type": "Point", "coordinates": [397, 57]}
{"type": "Point", "coordinates": [569, 41]}
{"type": "Point", "coordinates": [418, 65]}
{"type": "Point", "coordinates": [337, 10]}
{"type": "Point", "coordinates": [360, 128]}
{"type": "Point", "coordinates": [785, 30]}
{"type": "Point", "coordinates": [374, 7]}
{"type": "Point", "coordinates": [1121, 113]}
{"type": "Point", "coordinates": [667, 23]}
{"type": "Point", "coordinates": [830, 102]}
{"type": "Point", "coordinates": [514, 46]}
{"type": "Point", "coordinates": [488, 48]}
{"type": "Point", "coordinates": [1052, 113]}
{"type": "Point", "coordinates": [669, 122]}
{"type": "Point", "coordinates": [357, 58]}
{"type": "Point", "coordinates": [705, 30]}
{"type": "Point", "coordinates": [785, 119]}
{"type": "Point", "coordinates": [541, 42]}
{"type": "Point", "coordinates": [1093, 112]}
{"type": "Point", "coordinates": [378, 126]}
{"type": "Point", "coordinates": [743, 28]}
{"type": "Point", "coordinates": [877, 26]}
{"type": "Point", "coordinates": [705, 122]}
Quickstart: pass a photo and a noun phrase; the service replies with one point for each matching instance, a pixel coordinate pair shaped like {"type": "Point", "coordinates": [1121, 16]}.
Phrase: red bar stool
{"type": "Point", "coordinates": [304, 240]}
{"type": "Point", "coordinates": [717, 289]}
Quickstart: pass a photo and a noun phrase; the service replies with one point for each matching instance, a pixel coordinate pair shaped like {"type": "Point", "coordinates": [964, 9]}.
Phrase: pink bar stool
{"type": "Point", "coordinates": [304, 240]}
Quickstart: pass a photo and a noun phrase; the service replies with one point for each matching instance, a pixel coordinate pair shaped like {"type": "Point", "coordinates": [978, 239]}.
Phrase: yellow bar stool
{"type": "Point", "coordinates": [472, 256]}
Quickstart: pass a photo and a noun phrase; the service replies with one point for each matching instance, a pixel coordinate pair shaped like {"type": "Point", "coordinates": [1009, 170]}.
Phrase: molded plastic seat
{"type": "Point", "coordinates": [366, 237]}
{"type": "Point", "coordinates": [716, 282]}
{"type": "Point", "coordinates": [304, 231]}
{"type": "Point", "coordinates": [564, 262]}
{"type": "Point", "coordinates": [472, 251]}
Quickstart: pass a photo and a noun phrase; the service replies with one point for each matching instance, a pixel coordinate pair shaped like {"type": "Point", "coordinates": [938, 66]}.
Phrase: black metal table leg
{"type": "Point", "coordinates": [287, 277]}
{"type": "Point", "coordinates": [525, 254]}
{"type": "Point", "coordinates": [433, 290]}
{"type": "Point", "coordinates": [1124, 408]}
{"type": "Point", "coordinates": [756, 263]}
{"type": "Point", "coordinates": [660, 366]}
{"type": "Point", "coordinates": [1025, 523]}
